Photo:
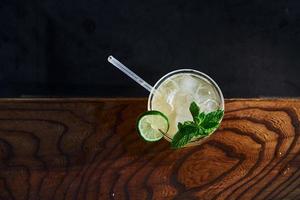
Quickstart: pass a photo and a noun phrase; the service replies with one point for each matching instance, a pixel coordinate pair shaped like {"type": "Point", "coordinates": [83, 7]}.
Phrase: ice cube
{"type": "Point", "coordinates": [206, 91]}
{"type": "Point", "coordinates": [189, 83]}
{"type": "Point", "coordinates": [179, 102]}
{"type": "Point", "coordinates": [209, 105]}
{"type": "Point", "coordinates": [170, 84]}
{"type": "Point", "coordinates": [202, 94]}
{"type": "Point", "coordinates": [169, 90]}
{"type": "Point", "coordinates": [170, 95]}
{"type": "Point", "coordinates": [182, 101]}
{"type": "Point", "coordinates": [203, 91]}
{"type": "Point", "coordinates": [183, 117]}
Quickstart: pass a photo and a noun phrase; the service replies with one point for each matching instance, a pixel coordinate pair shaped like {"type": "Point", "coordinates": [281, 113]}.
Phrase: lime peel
{"type": "Point", "coordinates": [152, 125]}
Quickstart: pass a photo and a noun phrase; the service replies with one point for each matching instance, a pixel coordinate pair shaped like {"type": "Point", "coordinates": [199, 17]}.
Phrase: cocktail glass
{"type": "Point", "coordinates": [174, 92]}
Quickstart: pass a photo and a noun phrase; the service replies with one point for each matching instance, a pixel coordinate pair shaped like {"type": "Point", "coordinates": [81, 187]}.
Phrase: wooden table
{"type": "Point", "coordinates": [89, 149]}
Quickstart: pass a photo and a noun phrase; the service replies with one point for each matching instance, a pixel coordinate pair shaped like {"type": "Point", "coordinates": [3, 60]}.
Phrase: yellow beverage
{"type": "Point", "coordinates": [173, 94]}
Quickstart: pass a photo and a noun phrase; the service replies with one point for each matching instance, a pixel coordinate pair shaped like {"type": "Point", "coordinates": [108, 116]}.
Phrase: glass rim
{"type": "Point", "coordinates": [179, 71]}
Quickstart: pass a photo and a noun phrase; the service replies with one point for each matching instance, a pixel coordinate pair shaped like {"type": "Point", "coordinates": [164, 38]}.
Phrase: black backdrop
{"type": "Point", "coordinates": [60, 47]}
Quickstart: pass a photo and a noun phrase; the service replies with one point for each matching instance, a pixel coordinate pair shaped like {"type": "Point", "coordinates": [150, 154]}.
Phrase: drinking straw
{"type": "Point", "coordinates": [129, 73]}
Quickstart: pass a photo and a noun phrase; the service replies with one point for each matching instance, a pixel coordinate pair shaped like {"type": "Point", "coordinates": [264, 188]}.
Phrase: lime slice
{"type": "Point", "coordinates": [152, 124]}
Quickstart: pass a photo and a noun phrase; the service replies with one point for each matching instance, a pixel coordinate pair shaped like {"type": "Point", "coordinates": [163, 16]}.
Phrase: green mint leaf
{"type": "Point", "coordinates": [215, 115]}
{"type": "Point", "coordinates": [188, 123]}
{"type": "Point", "coordinates": [179, 125]}
{"type": "Point", "coordinates": [201, 131]}
{"type": "Point", "coordinates": [184, 135]}
{"type": "Point", "coordinates": [210, 130]}
{"type": "Point", "coordinates": [202, 126]}
{"type": "Point", "coordinates": [199, 119]}
{"type": "Point", "coordinates": [195, 110]}
{"type": "Point", "coordinates": [212, 120]}
{"type": "Point", "coordinates": [210, 124]}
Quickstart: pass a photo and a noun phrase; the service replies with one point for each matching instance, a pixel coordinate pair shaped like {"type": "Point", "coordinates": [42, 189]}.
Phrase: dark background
{"type": "Point", "coordinates": [60, 47]}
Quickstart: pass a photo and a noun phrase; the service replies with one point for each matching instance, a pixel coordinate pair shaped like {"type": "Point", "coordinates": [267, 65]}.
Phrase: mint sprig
{"type": "Point", "coordinates": [202, 125]}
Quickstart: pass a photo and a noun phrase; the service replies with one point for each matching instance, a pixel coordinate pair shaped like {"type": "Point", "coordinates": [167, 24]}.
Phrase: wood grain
{"type": "Point", "coordinates": [89, 149]}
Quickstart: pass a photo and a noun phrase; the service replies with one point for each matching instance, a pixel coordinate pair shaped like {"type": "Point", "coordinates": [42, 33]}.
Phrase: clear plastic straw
{"type": "Point", "coordinates": [129, 73]}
